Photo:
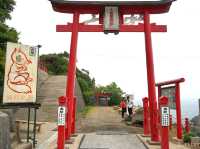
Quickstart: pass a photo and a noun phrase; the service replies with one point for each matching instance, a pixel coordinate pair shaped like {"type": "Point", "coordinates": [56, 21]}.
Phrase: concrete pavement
{"type": "Point", "coordinates": [113, 140]}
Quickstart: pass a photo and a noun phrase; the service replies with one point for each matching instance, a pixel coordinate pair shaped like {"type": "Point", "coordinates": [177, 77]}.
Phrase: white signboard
{"type": "Point", "coordinates": [165, 116]}
{"type": "Point", "coordinates": [61, 115]}
{"type": "Point", "coordinates": [111, 19]}
{"type": "Point", "coordinates": [20, 81]}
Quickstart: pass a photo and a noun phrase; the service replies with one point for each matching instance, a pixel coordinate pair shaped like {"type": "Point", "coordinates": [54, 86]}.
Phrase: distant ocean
{"type": "Point", "coordinates": [189, 108]}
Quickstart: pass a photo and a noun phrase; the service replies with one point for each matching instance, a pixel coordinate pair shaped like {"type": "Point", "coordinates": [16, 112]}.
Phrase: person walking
{"type": "Point", "coordinates": [123, 107]}
{"type": "Point", "coordinates": [130, 106]}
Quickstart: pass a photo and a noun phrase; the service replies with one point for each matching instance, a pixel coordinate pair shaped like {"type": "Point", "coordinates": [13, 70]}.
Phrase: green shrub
{"type": "Point", "coordinates": [187, 137]}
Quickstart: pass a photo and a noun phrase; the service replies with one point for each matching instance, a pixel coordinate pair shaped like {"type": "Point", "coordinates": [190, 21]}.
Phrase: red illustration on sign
{"type": "Point", "coordinates": [18, 76]}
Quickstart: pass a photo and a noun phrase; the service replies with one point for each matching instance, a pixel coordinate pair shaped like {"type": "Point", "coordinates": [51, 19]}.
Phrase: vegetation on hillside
{"type": "Point", "coordinates": [57, 65]}
{"type": "Point", "coordinates": [6, 34]}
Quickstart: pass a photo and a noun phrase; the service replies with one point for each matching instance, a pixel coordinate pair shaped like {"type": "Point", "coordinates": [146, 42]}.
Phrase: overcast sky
{"type": "Point", "coordinates": [121, 58]}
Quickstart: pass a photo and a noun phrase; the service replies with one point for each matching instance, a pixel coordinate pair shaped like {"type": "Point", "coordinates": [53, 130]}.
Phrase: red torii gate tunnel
{"type": "Point", "coordinates": [111, 20]}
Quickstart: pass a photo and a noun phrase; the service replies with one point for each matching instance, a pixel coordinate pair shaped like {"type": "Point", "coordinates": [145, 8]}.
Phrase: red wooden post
{"type": "Point", "coordinates": [178, 112]}
{"type": "Point", "coordinates": [170, 121]}
{"type": "Point", "coordinates": [74, 116]}
{"type": "Point", "coordinates": [187, 127]}
{"type": "Point", "coordinates": [61, 123]}
{"type": "Point", "coordinates": [146, 116]}
{"type": "Point", "coordinates": [151, 79]}
{"type": "Point", "coordinates": [164, 123]}
{"type": "Point", "coordinates": [72, 70]}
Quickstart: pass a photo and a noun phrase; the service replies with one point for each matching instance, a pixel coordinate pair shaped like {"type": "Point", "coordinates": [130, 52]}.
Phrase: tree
{"type": "Point", "coordinates": [6, 7]}
{"type": "Point", "coordinates": [56, 63]}
{"type": "Point", "coordinates": [114, 90]}
{"type": "Point", "coordinates": [6, 34]}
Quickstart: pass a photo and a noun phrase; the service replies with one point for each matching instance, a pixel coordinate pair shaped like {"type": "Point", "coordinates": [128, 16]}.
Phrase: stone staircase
{"type": "Point", "coordinates": [47, 94]}
{"type": "Point", "coordinates": [54, 87]}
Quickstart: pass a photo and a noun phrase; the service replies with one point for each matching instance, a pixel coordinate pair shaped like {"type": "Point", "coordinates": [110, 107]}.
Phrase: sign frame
{"type": "Point", "coordinates": [172, 98]}
{"type": "Point", "coordinates": [33, 99]}
{"type": "Point", "coordinates": [111, 19]}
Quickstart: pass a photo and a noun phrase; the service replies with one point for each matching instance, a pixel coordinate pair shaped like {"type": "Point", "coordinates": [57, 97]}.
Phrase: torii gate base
{"type": "Point", "coordinates": [113, 24]}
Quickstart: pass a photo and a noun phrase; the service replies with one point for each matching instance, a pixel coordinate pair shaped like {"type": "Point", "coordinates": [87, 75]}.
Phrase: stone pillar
{"type": "Point", "coordinates": [5, 142]}
{"type": "Point", "coordinates": [12, 118]}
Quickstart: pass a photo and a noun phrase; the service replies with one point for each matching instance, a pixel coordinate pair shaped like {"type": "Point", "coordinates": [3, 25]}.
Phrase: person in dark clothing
{"type": "Point", "coordinates": [123, 107]}
{"type": "Point", "coordinates": [130, 106]}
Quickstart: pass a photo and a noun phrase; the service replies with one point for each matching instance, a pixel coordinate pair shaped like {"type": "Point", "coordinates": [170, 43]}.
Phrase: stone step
{"type": "Point", "coordinates": [48, 94]}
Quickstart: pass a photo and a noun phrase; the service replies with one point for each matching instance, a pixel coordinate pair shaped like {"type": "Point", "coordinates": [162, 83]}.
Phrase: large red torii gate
{"type": "Point", "coordinates": [144, 8]}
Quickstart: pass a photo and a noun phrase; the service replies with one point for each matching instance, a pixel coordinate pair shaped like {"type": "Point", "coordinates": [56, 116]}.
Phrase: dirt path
{"type": "Point", "coordinates": [104, 119]}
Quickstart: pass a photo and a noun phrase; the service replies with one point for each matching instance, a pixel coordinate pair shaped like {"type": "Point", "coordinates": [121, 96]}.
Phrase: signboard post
{"type": "Point", "coordinates": [61, 122]}
{"type": "Point", "coordinates": [20, 81]}
{"type": "Point", "coordinates": [164, 109]}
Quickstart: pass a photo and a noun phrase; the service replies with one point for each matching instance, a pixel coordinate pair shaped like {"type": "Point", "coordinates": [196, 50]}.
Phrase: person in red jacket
{"type": "Point", "coordinates": [123, 107]}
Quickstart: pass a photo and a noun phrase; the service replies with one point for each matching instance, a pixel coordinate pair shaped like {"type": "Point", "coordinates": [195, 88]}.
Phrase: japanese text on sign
{"type": "Point", "coordinates": [61, 115]}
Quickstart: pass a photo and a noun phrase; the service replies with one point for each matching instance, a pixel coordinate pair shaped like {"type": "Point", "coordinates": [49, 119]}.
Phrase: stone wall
{"type": "Point", "coordinates": [4, 131]}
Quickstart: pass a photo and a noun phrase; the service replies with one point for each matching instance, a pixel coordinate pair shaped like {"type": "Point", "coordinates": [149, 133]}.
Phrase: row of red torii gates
{"type": "Point", "coordinates": [111, 20]}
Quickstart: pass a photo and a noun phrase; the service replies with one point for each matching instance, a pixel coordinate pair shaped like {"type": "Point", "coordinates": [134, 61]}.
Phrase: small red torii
{"type": "Point", "coordinates": [175, 82]}
{"type": "Point", "coordinates": [106, 95]}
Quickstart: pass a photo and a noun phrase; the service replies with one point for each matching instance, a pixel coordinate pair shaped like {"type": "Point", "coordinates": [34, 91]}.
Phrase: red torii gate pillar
{"type": "Point", "coordinates": [71, 75]}
{"type": "Point", "coordinates": [151, 79]}
{"type": "Point", "coordinates": [178, 101]}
